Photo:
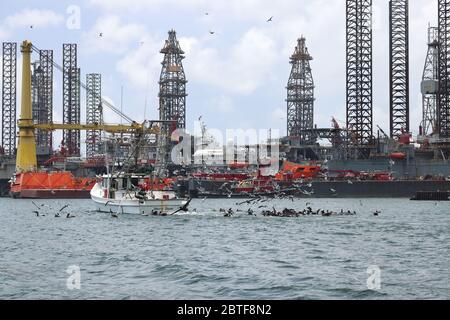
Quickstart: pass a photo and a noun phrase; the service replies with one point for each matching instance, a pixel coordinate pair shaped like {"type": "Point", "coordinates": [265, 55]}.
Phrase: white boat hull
{"type": "Point", "coordinates": [128, 204]}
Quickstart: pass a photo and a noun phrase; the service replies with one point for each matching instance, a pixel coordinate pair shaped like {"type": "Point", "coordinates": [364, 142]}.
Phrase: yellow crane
{"type": "Point", "coordinates": [26, 159]}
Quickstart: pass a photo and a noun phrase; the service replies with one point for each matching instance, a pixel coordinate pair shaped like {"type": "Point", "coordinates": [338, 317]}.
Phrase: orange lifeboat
{"type": "Point", "coordinates": [398, 156]}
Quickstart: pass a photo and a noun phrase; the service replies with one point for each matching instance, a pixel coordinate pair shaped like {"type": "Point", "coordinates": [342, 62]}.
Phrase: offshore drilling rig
{"type": "Point", "coordinates": [356, 145]}
{"type": "Point", "coordinates": [36, 126]}
{"type": "Point", "coordinates": [172, 93]}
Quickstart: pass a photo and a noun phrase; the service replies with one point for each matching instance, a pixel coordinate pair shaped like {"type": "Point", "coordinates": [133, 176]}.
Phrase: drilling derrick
{"type": "Point", "coordinates": [71, 99]}
{"type": "Point", "coordinates": [300, 95]}
{"type": "Point", "coordinates": [359, 74]}
{"type": "Point", "coordinates": [46, 96]}
{"type": "Point", "coordinates": [9, 98]}
{"type": "Point", "coordinates": [443, 105]}
{"type": "Point", "coordinates": [42, 99]}
{"type": "Point", "coordinates": [172, 90]}
{"type": "Point", "coordinates": [94, 113]}
{"type": "Point", "coordinates": [399, 71]}
{"type": "Point", "coordinates": [429, 85]}
{"type": "Point", "coordinates": [36, 101]}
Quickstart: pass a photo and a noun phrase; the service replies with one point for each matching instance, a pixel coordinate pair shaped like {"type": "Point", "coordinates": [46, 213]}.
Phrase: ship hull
{"type": "Point", "coordinates": [50, 185]}
{"type": "Point", "coordinates": [330, 189]}
{"type": "Point", "coordinates": [145, 208]}
{"type": "Point", "coordinates": [51, 194]}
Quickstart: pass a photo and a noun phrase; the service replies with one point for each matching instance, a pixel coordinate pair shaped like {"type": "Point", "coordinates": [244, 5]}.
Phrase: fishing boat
{"type": "Point", "coordinates": [131, 193]}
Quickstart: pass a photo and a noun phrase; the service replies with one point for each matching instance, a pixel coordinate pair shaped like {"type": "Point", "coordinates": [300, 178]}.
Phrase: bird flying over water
{"type": "Point", "coordinates": [270, 19]}
{"type": "Point", "coordinates": [66, 206]}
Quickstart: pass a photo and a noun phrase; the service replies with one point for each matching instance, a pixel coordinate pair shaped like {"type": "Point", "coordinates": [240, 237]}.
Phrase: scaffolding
{"type": "Point", "coordinates": [94, 113]}
{"type": "Point", "coordinates": [399, 67]}
{"type": "Point", "coordinates": [443, 105]}
{"type": "Point", "coordinates": [42, 98]}
{"type": "Point", "coordinates": [359, 74]}
{"type": "Point", "coordinates": [300, 95]}
{"type": "Point", "coordinates": [71, 99]}
{"type": "Point", "coordinates": [429, 85]}
{"type": "Point", "coordinates": [172, 91]}
{"type": "Point", "coordinates": [9, 95]}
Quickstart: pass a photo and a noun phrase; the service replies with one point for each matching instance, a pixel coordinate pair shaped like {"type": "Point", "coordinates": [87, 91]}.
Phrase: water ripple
{"type": "Point", "coordinates": [206, 256]}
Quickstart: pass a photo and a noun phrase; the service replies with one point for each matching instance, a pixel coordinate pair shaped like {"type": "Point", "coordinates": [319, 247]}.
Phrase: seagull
{"type": "Point", "coordinates": [31, 27]}
{"type": "Point", "coordinates": [206, 14]}
{"type": "Point", "coordinates": [270, 19]}
{"type": "Point", "coordinates": [66, 206]}
{"type": "Point", "coordinates": [332, 190]}
{"type": "Point", "coordinates": [200, 118]}
{"type": "Point", "coordinates": [350, 182]}
{"type": "Point", "coordinates": [100, 34]}
{"type": "Point", "coordinates": [212, 32]}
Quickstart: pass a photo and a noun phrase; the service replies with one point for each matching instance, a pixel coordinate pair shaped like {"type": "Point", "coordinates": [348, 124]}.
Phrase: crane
{"type": "Point", "coordinates": [26, 151]}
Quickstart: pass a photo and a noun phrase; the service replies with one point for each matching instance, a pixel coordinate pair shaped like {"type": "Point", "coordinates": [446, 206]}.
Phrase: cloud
{"type": "Point", "coordinates": [223, 104]}
{"type": "Point", "coordinates": [110, 34]}
{"type": "Point", "coordinates": [241, 69]}
{"type": "Point", "coordinates": [142, 65]}
{"type": "Point", "coordinates": [3, 33]}
{"type": "Point", "coordinates": [34, 17]}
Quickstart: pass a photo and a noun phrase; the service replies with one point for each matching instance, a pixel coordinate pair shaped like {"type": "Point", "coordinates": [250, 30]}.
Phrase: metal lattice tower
{"type": "Point", "coordinates": [430, 84]}
{"type": "Point", "coordinates": [443, 106]}
{"type": "Point", "coordinates": [94, 113]}
{"type": "Point", "coordinates": [46, 94]}
{"type": "Point", "coordinates": [399, 62]}
{"type": "Point", "coordinates": [9, 94]}
{"type": "Point", "coordinates": [36, 83]}
{"type": "Point", "coordinates": [359, 72]}
{"type": "Point", "coordinates": [42, 97]}
{"type": "Point", "coordinates": [71, 99]}
{"type": "Point", "coordinates": [172, 84]}
{"type": "Point", "coordinates": [300, 94]}
{"type": "Point", "coordinates": [172, 94]}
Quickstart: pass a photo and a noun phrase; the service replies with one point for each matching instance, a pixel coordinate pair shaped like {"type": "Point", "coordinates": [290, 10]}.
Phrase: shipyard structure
{"type": "Point", "coordinates": [360, 145]}
{"type": "Point", "coordinates": [356, 151]}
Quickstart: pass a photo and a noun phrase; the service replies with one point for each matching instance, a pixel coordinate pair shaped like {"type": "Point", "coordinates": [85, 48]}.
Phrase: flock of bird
{"type": "Point", "coordinates": [291, 213]}
{"type": "Point", "coordinates": [39, 208]}
{"type": "Point", "coordinates": [211, 32]}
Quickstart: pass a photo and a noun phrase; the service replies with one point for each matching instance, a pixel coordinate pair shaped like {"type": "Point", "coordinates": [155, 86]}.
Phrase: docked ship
{"type": "Point", "coordinates": [50, 185]}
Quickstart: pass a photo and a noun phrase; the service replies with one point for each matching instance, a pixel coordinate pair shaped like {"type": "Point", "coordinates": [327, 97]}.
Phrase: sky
{"type": "Point", "coordinates": [237, 76]}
